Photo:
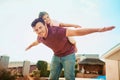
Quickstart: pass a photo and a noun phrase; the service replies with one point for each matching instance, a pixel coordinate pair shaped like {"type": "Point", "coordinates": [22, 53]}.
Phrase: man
{"type": "Point", "coordinates": [56, 38]}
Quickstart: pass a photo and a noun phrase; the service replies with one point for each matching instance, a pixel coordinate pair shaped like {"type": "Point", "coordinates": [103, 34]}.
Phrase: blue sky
{"type": "Point", "coordinates": [16, 33]}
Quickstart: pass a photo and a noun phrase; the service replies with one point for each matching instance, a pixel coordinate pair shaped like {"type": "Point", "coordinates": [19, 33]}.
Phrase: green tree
{"type": "Point", "coordinates": [42, 66]}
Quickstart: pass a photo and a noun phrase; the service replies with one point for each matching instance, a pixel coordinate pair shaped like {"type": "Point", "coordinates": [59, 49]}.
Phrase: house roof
{"type": "Point", "coordinates": [92, 61]}
{"type": "Point", "coordinates": [17, 64]}
{"type": "Point", "coordinates": [88, 55]}
{"type": "Point", "coordinates": [112, 52]}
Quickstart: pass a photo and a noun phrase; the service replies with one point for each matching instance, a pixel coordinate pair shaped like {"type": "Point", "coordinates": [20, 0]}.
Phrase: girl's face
{"type": "Point", "coordinates": [46, 19]}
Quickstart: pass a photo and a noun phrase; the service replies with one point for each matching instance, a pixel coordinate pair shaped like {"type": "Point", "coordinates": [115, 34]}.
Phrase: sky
{"type": "Point", "coordinates": [16, 32]}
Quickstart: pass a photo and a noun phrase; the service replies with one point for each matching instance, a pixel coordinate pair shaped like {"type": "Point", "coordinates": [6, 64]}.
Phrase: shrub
{"type": "Point", "coordinates": [42, 66]}
{"type": "Point", "coordinates": [6, 75]}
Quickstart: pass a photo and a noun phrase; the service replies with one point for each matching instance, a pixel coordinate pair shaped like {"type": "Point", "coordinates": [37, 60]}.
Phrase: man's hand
{"type": "Point", "coordinates": [28, 48]}
{"type": "Point", "coordinates": [106, 29]}
{"type": "Point", "coordinates": [35, 43]}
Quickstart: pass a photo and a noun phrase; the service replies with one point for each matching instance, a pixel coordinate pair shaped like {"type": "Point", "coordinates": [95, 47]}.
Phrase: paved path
{"type": "Point", "coordinates": [81, 79]}
{"type": "Point", "coordinates": [75, 79]}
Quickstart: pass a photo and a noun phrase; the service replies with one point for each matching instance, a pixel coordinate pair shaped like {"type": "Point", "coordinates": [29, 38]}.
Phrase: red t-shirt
{"type": "Point", "coordinates": [58, 42]}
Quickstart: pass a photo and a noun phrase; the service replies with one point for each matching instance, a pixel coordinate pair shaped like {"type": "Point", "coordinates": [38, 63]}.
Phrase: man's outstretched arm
{"type": "Point", "coordinates": [35, 43]}
{"type": "Point", "coordinates": [85, 31]}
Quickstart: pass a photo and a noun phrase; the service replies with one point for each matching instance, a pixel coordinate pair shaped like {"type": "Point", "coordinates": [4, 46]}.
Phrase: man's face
{"type": "Point", "coordinates": [46, 19]}
{"type": "Point", "coordinates": [40, 29]}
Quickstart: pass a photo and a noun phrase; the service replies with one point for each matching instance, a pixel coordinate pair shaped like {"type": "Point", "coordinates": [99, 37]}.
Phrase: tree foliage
{"type": "Point", "coordinates": [42, 66]}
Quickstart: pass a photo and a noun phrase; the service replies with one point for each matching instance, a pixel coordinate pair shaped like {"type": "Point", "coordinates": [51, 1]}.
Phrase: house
{"type": "Point", "coordinates": [90, 66]}
{"type": "Point", "coordinates": [17, 67]}
{"type": "Point", "coordinates": [80, 57]}
{"type": "Point", "coordinates": [112, 61]}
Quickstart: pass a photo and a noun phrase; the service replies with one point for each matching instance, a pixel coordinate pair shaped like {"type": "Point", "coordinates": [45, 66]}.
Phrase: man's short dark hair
{"type": "Point", "coordinates": [41, 14]}
{"type": "Point", "coordinates": [36, 21]}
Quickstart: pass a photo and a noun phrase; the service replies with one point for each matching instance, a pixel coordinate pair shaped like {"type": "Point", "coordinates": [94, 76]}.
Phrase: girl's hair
{"type": "Point", "coordinates": [36, 21]}
{"type": "Point", "coordinates": [41, 14]}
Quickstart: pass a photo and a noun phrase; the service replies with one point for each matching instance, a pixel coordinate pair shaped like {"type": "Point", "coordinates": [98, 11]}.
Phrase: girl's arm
{"type": "Point", "coordinates": [69, 25]}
